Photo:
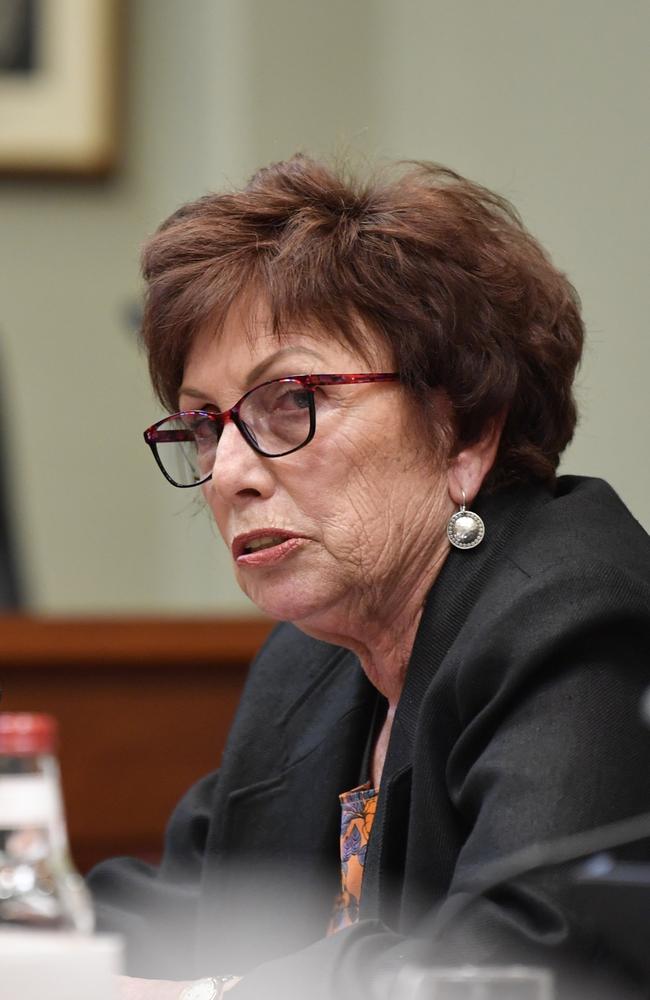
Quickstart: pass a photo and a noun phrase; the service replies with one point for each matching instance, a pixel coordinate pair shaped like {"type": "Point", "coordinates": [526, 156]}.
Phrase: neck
{"type": "Point", "coordinates": [382, 634]}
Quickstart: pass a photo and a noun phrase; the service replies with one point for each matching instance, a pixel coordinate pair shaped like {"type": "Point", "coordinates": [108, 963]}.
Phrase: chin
{"type": "Point", "coordinates": [288, 600]}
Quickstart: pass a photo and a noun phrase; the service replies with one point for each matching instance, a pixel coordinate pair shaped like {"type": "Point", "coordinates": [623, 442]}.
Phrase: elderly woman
{"type": "Point", "coordinates": [371, 386]}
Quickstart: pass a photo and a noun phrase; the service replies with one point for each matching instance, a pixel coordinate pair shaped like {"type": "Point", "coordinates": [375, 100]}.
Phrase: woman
{"type": "Point", "coordinates": [374, 386]}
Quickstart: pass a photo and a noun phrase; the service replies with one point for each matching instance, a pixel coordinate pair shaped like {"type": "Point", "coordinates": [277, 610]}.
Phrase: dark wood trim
{"type": "Point", "coordinates": [142, 643]}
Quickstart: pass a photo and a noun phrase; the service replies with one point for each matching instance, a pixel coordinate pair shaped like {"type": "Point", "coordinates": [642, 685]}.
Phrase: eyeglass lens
{"type": "Point", "coordinates": [276, 418]}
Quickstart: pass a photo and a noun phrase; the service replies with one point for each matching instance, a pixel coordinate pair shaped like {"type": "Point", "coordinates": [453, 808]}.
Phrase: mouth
{"type": "Point", "coordinates": [264, 546]}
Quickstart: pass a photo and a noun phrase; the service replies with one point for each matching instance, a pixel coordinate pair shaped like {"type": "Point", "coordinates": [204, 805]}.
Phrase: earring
{"type": "Point", "coordinates": [465, 529]}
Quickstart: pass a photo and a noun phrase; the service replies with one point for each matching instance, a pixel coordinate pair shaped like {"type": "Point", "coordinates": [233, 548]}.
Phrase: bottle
{"type": "Point", "coordinates": [39, 887]}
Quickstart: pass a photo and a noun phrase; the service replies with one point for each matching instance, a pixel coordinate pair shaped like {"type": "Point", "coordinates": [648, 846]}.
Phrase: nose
{"type": "Point", "coordinates": [239, 473]}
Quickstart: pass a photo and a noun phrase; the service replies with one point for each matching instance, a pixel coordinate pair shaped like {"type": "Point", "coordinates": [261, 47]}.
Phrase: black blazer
{"type": "Point", "coordinates": [519, 722]}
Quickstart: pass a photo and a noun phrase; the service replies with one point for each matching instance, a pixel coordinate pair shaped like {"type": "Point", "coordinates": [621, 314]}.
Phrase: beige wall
{"type": "Point", "coordinates": [545, 102]}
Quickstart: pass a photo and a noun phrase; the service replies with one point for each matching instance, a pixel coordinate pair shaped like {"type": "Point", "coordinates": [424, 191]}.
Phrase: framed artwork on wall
{"type": "Point", "coordinates": [58, 77]}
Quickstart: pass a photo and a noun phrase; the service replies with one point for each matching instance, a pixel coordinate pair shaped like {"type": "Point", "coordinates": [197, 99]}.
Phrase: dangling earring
{"type": "Point", "coordinates": [465, 529]}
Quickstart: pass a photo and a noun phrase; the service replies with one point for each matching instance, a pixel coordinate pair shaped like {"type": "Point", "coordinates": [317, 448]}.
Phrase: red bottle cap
{"type": "Point", "coordinates": [27, 732]}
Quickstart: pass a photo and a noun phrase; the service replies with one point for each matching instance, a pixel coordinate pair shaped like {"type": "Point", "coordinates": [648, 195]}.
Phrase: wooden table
{"type": "Point", "coordinates": [144, 706]}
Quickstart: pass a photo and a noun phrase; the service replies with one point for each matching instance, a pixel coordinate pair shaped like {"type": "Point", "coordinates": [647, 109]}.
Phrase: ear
{"type": "Point", "coordinates": [469, 467]}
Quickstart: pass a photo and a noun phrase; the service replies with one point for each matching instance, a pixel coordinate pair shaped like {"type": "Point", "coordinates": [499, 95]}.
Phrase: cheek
{"type": "Point", "coordinates": [390, 499]}
{"type": "Point", "coordinates": [217, 511]}
{"type": "Point", "coordinates": [356, 512]}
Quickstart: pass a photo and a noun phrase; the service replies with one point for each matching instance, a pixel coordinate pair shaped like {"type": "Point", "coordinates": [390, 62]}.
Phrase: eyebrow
{"type": "Point", "coordinates": [262, 368]}
{"type": "Point", "coordinates": [257, 371]}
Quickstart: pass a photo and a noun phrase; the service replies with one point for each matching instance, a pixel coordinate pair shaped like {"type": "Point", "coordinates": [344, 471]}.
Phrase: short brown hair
{"type": "Point", "coordinates": [437, 267]}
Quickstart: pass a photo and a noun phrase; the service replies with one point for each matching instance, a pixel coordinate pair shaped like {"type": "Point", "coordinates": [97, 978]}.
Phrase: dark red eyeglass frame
{"type": "Point", "coordinates": [153, 436]}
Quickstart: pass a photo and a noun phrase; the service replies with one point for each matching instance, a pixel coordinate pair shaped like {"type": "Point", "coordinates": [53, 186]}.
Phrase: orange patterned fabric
{"type": "Point", "coordinates": [358, 808]}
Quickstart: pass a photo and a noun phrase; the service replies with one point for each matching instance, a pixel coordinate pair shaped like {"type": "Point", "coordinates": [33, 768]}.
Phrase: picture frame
{"type": "Point", "coordinates": [58, 81]}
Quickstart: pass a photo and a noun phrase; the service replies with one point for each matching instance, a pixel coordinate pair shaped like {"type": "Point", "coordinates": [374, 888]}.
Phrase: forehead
{"type": "Point", "coordinates": [247, 348]}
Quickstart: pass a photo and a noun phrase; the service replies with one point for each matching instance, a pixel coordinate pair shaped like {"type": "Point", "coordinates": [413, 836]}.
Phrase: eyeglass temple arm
{"type": "Point", "coordinates": [349, 379]}
{"type": "Point", "coordinates": [155, 436]}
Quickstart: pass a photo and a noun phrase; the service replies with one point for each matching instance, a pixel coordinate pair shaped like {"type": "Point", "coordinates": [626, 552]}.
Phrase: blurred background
{"type": "Point", "coordinates": [545, 102]}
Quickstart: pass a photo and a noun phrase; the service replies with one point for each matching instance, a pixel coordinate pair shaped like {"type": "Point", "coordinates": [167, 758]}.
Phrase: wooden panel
{"type": "Point", "coordinates": [143, 707]}
{"type": "Point", "coordinates": [140, 641]}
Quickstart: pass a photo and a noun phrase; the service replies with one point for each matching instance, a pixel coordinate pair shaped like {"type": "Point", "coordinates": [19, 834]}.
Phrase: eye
{"type": "Point", "coordinates": [205, 430]}
{"type": "Point", "coordinates": [293, 398]}
{"type": "Point", "coordinates": [284, 398]}
{"type": "Point", "coordinates": [280, 401]}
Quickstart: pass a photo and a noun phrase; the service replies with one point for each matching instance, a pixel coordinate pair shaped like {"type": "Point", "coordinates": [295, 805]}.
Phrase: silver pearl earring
{"type": "Point", "coordinates": [465, 529]}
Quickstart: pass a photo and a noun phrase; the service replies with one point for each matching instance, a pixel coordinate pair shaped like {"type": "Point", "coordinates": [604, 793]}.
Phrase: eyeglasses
{"type": "Point", "coordinates": [275, 418]}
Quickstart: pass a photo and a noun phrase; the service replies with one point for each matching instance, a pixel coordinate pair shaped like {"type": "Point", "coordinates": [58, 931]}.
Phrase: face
{"type": "Point", "coordinates": [338, 533]}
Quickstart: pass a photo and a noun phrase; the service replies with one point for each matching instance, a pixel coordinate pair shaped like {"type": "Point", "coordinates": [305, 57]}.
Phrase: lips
{"type": "Point", "coordinates": [263, 543]}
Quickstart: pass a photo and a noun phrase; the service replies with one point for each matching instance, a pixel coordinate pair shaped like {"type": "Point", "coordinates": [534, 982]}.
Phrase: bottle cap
{"type": "Point", "coordinates": [27, 732]}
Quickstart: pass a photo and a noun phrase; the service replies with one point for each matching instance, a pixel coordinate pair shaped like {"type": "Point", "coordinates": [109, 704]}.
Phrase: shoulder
{"type": "Point", "coordinates": [569, 594]}
{"type": "Point", "coordinates": [550, 561]}
{"type": "Point", "coordinates": [584, 525]}
{"type": "Point", "coordinates": [579, 556]}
